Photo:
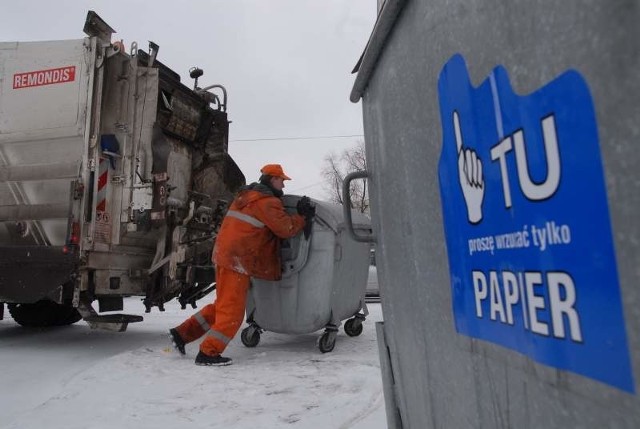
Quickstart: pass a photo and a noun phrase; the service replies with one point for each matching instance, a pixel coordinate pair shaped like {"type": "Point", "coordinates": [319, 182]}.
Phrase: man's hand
{"type": "Point", "coordinates": [305, 208]}
{"type": "Point", "coordinates": [308, 211]}
{"type": "Point", "coordinates": [303, 205]}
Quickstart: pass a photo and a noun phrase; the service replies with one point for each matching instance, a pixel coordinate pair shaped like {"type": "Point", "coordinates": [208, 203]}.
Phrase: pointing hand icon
{"type": "Point", "coordinates": [470, 175]}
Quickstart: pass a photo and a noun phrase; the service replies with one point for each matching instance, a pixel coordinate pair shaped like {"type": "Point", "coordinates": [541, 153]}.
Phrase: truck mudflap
{"type": "Point", "coordinates": [48, 269]}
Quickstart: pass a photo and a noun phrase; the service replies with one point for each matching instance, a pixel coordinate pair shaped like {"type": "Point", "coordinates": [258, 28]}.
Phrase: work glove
{"type": "Point", "coordinates": [303, 205]}
{"type": "Point", "coordinates": [308, 211]}
{"type": "Point", "coordinates": [306, 208]}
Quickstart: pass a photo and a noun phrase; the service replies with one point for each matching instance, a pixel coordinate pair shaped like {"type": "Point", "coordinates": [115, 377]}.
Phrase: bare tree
{"type": "Point", "coordinates": [337, 167]}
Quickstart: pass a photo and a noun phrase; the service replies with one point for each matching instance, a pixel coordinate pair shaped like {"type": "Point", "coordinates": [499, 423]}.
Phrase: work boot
{"type": "Point", "coordinates": [207, 360]}
{"type": "Point", "coordinates": [177, 341]}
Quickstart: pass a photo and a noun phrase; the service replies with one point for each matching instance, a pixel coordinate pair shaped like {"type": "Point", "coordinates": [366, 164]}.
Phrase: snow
{"type": "Point", "coordinates": [75, 377]}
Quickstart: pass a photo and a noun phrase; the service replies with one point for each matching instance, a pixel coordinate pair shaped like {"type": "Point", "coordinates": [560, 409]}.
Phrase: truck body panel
{"type": "Point", "coordinates": [114, 176]}
{"type": "Point", "coordinates": [43, 110]}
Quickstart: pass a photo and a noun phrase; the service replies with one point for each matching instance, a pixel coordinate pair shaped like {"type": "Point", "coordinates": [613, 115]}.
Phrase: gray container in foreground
{"type": "Point", "coordinates": [323, 281]}
{"type": "Point", "coordinates": [439, 368]}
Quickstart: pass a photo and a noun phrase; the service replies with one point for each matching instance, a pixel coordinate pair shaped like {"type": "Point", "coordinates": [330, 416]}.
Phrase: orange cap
{"type": "Point", "coordinates": [274, 170]}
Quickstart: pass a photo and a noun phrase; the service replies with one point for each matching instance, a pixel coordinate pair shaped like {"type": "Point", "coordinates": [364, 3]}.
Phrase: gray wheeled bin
{"type": "Point", "coordinates": [323, 281]}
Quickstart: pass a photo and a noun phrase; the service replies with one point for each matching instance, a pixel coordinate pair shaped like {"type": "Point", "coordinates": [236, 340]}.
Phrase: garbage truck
{"type": "Point", "coordinates": [114, 177]}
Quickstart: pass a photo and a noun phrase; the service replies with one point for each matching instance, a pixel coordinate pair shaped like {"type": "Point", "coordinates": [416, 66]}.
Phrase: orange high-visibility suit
{"type": "Point", "coordinates": [248, 245]}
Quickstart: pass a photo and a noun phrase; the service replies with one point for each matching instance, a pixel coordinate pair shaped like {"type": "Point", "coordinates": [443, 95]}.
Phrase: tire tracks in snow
{"type": "Point", "coordinates": [375, 401]}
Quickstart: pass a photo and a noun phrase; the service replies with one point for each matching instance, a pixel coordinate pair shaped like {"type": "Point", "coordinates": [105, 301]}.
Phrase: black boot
{"type": "Point", "coordinates": [207, 360]}
{"type": "Point", "coordinates": [176, 340]}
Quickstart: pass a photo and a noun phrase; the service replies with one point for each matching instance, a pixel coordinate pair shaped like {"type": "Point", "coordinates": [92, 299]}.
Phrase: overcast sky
{"type": "Point", "coordinates": [286, 65]}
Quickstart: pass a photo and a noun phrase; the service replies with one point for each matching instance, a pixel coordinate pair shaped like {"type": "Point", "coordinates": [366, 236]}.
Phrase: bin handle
{"type": "Point", "coordinates": [346, 206]}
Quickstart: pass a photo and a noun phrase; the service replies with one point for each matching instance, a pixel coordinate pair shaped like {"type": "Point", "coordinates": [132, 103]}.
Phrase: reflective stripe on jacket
{"type": "Point", "coordinates": [249, 239]}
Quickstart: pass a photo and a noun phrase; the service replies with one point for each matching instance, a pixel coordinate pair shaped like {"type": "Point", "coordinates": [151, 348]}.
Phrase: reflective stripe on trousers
{"type": "Point", "coordinates": [208, 331]}
{"type": "Point", "coordinates": [221, 320]}
{"type": "Point", "coordinates": [231, 298]}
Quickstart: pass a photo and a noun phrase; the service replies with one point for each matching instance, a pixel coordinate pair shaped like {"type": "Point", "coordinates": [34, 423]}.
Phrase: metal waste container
{"type": "Point", "coordinates": [502, 159]}
{"type": "Point", "coordinates": [324, 280]}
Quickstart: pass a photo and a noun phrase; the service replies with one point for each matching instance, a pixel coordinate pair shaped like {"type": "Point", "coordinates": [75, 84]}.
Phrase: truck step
{"type": "Point", "coordinates": [112, 322]}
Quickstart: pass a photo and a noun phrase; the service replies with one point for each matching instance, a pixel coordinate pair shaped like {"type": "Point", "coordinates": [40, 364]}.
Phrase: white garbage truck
{"type": "Point", "coordinates": [114, 176]}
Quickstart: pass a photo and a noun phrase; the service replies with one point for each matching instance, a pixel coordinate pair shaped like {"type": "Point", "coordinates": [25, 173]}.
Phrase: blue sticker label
{"type": "Point", "coordinates": [526, 219]}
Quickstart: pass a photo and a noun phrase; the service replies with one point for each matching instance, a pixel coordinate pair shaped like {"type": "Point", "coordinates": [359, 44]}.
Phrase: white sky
{"type": "Point", "coordinates": [286, 65]}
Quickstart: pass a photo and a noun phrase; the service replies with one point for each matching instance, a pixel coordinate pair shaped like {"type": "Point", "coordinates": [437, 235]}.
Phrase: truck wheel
{"type": "Point", "coordinates": [43, 313]}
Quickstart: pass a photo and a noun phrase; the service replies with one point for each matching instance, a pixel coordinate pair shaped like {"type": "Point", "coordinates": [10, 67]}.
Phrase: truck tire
{"type": "Point", "coordinates": [43, 313]}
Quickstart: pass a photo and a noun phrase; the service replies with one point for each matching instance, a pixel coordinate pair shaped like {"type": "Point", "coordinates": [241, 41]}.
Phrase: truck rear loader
{"type": "Point", "coordinates": [114, 177]}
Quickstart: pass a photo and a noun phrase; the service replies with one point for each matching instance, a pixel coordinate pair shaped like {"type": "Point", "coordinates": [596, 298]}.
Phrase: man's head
{"type": "Point", "coordinates": [273, 175]}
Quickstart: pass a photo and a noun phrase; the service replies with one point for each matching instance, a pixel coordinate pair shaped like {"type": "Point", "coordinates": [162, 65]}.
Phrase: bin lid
{"type": "Point", "coordinates": [331, 213]}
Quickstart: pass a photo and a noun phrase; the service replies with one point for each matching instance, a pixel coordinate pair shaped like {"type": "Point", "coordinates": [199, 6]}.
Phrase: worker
{"type": "Point", "coordinates": [247, 245]}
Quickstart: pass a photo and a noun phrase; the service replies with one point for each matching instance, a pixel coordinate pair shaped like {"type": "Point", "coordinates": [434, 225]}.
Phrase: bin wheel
{"type": "Point", "coordinates": [353, 327]}
{"type": "Point", "coordinates": [327, 342]}
{"type": "Point", "coordinates": [250, 336]}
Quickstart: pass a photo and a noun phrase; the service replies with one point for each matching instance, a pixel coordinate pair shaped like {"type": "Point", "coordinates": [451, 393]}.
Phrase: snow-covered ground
{"type": "Point", "coordinates": [75, 377]}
